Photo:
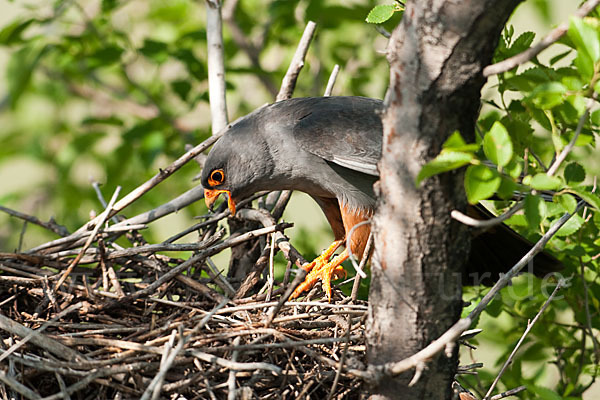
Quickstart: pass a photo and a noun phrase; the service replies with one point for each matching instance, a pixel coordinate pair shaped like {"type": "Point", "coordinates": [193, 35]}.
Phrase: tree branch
{"type": "Point", "coordinates": [216, 66]}
{"type": "Point", "coordinates": [552, 37]}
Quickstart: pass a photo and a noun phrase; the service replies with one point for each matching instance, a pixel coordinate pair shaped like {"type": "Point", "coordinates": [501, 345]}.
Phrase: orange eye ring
{"type": "Point", "coordinates": [216, 178]}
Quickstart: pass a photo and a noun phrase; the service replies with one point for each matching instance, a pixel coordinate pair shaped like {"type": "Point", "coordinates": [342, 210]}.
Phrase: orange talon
{"type": "Point", "coordinates": [323, 272]}
{"type": "Point", "coordinates": [324, 257]}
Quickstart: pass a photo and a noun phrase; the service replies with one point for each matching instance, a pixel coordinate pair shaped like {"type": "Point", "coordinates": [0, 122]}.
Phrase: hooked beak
{"type": "Point", "coordinates": [211, 195]}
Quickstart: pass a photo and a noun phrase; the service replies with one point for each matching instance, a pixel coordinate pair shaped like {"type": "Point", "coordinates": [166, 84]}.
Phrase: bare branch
{"type": "Point", "coordinates": [50, 225]}
{"type": "Point", "coordinates": [561, 283]}
{"type": "Point", "coordinates": [565, 152]}
{"type": "Point", "coordinates": [289, 80]}
{"type": "Point", "coordinates": [331, 82]}
{"type": "Point", "coordinates": [216, 66]}
{"type": "Point", "coordinates": [102, 218]}
{"type": "Point", "coordinates": [552, 37]}
{"type": "Point", "coordinates": [477, 223]}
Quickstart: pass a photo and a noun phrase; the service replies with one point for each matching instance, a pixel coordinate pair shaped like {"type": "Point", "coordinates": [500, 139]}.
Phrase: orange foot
{"type": "Point", "coordinates": [321, 269]}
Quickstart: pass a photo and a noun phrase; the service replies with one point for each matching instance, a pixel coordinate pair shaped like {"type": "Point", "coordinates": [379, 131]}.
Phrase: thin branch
{"type": "Point", "coordinates": [510, 392]}
{"type": "Point", "coordinates": [477, 223]}
{"type": "Point", "coordinates": [331, 81]}
{"type": "Point", "coordinates": [216, 66]}
{"type": "Point", "coordinates": [289, 80]}
{"type": "Point", "coordinates": [50, 225]}
{"type": "Point", "coordinates": [561, 283]}
{"type": "Point", "coordinates": [154, 386]}
{"type": "Point", "coordinates": [363, 262]}
{"type": "Point", "coordinates": [565, 152]}
{"type": "Point", "coordinates": [102, 218]}
{"type": "Point", "coordinates": [357, 267]}
{"type": "Point", "coordinates": [553, 36]}
{"type": "Point", "coordinates": [155, 180]}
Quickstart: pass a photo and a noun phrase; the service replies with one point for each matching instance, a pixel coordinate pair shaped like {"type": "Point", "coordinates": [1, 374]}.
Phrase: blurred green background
{"type": "Point", "coordinates": [111, 91]}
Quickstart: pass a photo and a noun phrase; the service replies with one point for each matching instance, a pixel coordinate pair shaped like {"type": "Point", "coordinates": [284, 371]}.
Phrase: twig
{"type": "Point", "coordinates": [357, 267]}
{"type": "Point", "coordinates": [50, 225]}
{"type": "Point", "coordinates": [156, 179]}
{"type": "Point", "coordinates": [510, 392]}
{"type": "Point", "coordinates": [553, 36]}
{"type": "Point", "coordinates": [154, 386]}
{"type": "Point", "coordinates": [560, 284]}
{"type": "Point", "coordinates": [102, 218]}
{"type": "Point", "coordinates": [331, 81]}
{"type": "Point", "coordinates": [230, 242]}
{"type": "Point", "coordinates": [18, 387]}
{"type": "Point", "coordinates": [52, 346]}
{"type": "Point", "coordinates": [289, 80]}
{"type": "Point", "coordinates": [35, 333]}
{"type": "Point", "coordinates": [363, 262]}
{"type": "Point", "coordinates": [565, 152]}
{"type": "Point", "coordinates": [231, 380]}
{"type": "Point", "coordinates": [342, 359]}
{"type": "Point", "coordinates": [191, 196]}
{"type": "Point", "coordinates": [230, 364]}
{"type": "Point", "coordinates": [216, 66]}
{"type": "Point", "coordinates": [271, 278]}
{"type": "Point", "coordinates": [487, 223]}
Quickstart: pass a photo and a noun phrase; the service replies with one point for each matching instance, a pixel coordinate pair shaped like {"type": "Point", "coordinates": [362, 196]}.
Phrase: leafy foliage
{"type": "Point", "coordinates": [537, 113]}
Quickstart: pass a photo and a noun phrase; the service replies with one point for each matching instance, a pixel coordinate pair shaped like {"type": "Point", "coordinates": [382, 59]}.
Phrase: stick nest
{"type": "Point", "coordinates": [84, 318]}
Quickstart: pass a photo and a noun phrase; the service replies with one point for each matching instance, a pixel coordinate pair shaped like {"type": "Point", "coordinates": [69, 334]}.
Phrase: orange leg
{"type": "Point", "coordinates": [324, 257]}
{"type": "Point", "coordinates": [323, 271]}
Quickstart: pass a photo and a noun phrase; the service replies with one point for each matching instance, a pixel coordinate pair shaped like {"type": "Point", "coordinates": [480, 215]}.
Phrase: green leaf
{"type": "Point", "coordinates": [445, 161]}
{"type": "Point", "coordinates": [542, 181]}
{"type": "Point", "coordinates": [585, 65]}
{"type": "Point", "coordinates": [381, 13]}
{"type": "Point", "coordinates": [571, 226]}
{"type": "Point", "coordinates": [157, 51]}
{"type": "Point", "coordinates": [514, 168]}
{"type": "Point", "coordinates": [497, 145]}
{"type": "Point", "coordinates": [522, 43]}
{"type": "Point", "coordinates": [481, 182]}
{"type": "Point", "coordinates": [544, 393]}
{"type": "Point", "coordinates": [507, 188]}
{"type": "Point", "coordinates": [559, 57]}
{"type": "Point", "coordinates": [584, 37]}
{"type": "Point", "coordinates": [535, 210]}
{"type": "Point", "coordinates": [591, 198]}
{"type": "Point", "coordinates": [182, 88]}
{"type": "Point", "coordinates": [548, 95]}
{"type": "Point", "coordinates": [20, 68]}
{"type": "Point", "coordinates": [11, 33]}
{"type": "Point", "coordinates": [456, 143]}
{"type": "Point", "coordinates": [105, 56]}
{"type": "Point", "coordinates": [566, 200]}
{"type": "Point", "coordinates": [574, 173]}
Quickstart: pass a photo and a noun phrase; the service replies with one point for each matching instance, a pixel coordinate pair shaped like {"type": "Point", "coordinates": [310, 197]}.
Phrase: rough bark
{"type": "Point", "coordinates": [436, 57]}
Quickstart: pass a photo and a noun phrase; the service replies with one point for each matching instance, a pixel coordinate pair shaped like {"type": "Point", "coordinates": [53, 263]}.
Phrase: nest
{"type": "Point", "coordinates": [84, 318]}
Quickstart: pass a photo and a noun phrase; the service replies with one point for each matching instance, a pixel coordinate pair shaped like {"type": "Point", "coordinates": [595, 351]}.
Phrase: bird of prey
{"type": "Point", "coordinates": [328, 147]}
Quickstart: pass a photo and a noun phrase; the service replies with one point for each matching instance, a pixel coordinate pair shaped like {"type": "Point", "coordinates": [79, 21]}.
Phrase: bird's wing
{"type": "Point", "coordinates": [344, 130]}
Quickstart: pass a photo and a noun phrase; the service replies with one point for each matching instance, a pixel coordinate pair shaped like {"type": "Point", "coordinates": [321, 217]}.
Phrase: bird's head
{"type": "Point", "coordinates": [236, 164]}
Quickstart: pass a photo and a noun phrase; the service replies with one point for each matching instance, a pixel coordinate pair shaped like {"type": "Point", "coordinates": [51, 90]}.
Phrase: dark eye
{"type": "Point", "coordinates": [216, 177]}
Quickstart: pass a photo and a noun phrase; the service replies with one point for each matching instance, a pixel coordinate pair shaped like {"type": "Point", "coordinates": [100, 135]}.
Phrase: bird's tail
{"type": "Point", "coordinates": [496, 250]}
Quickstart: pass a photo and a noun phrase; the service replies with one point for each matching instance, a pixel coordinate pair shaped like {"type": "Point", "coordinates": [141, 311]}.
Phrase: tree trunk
{"type": "Point", "coordinates": [436, 57]}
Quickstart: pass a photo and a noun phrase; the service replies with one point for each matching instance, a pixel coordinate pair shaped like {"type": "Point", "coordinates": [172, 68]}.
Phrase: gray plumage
{"type": "Point", "coordinates": [327, 147]}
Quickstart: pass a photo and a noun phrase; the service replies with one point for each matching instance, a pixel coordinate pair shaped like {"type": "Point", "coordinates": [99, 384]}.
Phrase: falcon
{"type": "Point", "coordinates": [328, 147]}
